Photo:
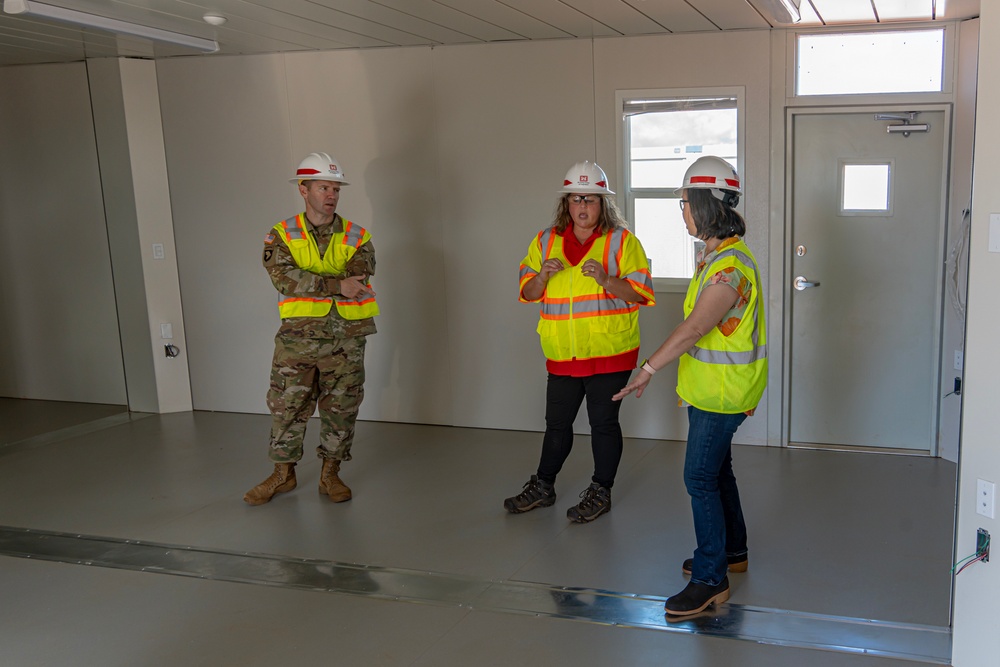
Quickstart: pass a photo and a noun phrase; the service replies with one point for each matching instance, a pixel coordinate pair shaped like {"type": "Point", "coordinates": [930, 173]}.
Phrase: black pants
{"type": "Point", "coordinates": [564, 395]}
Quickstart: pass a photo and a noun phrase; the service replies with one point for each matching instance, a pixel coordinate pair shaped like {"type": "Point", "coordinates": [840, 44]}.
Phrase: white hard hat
{"type": "Point", "coordinates": [586, 177]}
{"type": "Point", "coordinates": [319, 167]}
{"type": "Point", "coordinates": [714, 173]}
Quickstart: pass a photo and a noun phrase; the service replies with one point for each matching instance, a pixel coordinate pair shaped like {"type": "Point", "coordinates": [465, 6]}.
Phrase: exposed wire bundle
{"type": "Point", "coordinates": [955, 279]}
{"type": "Point", "coordinates": [982, 553]}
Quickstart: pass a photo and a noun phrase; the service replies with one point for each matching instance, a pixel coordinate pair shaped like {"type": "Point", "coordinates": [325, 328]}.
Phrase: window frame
{"type": "Point", "coordinates": [628, 194]}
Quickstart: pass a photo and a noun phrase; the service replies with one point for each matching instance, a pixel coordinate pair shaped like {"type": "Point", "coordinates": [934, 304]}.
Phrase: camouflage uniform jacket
{"type": "Point", "coordinates": [290, 280]}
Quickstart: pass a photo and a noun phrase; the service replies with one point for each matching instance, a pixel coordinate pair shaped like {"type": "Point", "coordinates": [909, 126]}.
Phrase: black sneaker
{"type": "Point", "coordinates": [596, 500]}
{"type": "Point", "coordinates": [736, 564]}
{"type": "Point", "coordinates": [696, 597]}
{"type": "Point", "coordinates": [537, 493]}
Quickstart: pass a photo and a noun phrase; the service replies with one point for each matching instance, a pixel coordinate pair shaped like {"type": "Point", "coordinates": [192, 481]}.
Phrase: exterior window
{"type": "Point", "coordinates": [662, 137]}
{"type": "Point", "coordinates": [870, 62]}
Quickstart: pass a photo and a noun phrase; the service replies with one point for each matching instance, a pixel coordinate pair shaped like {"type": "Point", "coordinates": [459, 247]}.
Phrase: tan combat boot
{"type": "Point", "coordinates": [281, 480]}
{"type": "Point", "coordinates": [330, 483]}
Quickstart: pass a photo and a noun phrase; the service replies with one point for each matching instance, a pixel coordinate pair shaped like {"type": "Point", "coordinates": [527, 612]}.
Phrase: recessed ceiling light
{"type": "Point", "coordinates": [215, 19]}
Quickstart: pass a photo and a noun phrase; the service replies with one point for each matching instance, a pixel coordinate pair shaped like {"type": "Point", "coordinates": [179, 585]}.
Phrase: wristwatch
{"type": "Point", "coordinates": [647, 367]}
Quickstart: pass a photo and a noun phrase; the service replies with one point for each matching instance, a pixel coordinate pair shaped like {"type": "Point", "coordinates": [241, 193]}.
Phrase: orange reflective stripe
{"type": "Point", "coordinates": [363, 302]}
{"type": "Point", "coordinates": [548, 239]}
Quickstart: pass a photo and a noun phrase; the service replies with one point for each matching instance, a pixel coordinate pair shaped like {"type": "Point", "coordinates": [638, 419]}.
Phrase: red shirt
{"type": "Point", "coordinates": [626, 361]}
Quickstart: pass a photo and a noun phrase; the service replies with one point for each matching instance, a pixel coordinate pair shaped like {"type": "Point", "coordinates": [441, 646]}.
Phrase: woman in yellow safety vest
{"type": "Point", "coordinates": [722, 371]}
{"type": "Point", "coordinates": [590, 275]}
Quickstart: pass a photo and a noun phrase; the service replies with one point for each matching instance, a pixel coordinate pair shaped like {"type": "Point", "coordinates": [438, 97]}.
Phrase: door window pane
{"type": "Point", "coordinates": [865, 188]}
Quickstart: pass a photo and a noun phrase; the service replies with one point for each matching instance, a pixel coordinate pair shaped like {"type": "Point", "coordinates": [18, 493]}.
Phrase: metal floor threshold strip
{"type": "Point", "coordinates": [920, 643]}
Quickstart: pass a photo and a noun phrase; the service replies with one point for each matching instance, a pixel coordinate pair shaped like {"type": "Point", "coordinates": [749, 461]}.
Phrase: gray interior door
{"type": "Point", "coordinates": [866, 312]}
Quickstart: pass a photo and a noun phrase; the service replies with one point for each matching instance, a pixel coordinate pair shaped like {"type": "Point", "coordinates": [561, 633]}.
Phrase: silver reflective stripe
{"type": "Point", "coordinates": [354, 236]}
{"type": "Point", "coordinates": [643, 279]}
{"type": "Point", "coordinates": [294, 229]}
{"type": "Point", "coordinates": [604, 305]}
{"type": "Point", "coordinates": [734, 358]}
{"type": "Point", "coordinates": [588, 307]}
{"type": "Point", "coordinates": [554, 309]}
{"type": "Point", "coordinates": [615, 247]}
{"type": "Point", "coordinates": [728, 358]}
{"type": "Point", "coordinates": [741, 256]}
{"type": "Point", "coordinates": [526, 271]}
{"type": "Point", "coordinates": [544, 240]}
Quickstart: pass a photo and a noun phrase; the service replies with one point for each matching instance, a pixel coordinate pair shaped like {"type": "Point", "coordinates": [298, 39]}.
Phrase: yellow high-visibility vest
{"type": "Point", "coordinates": [579, 319]}
{"type": "Point", "coordinates": [721, 373]}
{"type": "Point", "coordinates": [305, 253]}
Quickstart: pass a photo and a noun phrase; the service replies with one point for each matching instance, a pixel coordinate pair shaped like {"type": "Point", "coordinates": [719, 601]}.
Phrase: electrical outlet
{"type": "Point", "coordinates": [983, 544]}
{"type": "Point", "coordinates": [985, 498]}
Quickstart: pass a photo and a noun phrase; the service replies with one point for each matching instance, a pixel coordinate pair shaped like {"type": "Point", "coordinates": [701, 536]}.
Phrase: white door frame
{"type": "Point", "coordinates": [783, 289]}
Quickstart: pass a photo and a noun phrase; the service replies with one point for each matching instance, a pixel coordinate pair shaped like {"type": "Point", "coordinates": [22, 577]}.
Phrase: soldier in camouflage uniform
{"type": "Point", "coordinates": [320, 265]}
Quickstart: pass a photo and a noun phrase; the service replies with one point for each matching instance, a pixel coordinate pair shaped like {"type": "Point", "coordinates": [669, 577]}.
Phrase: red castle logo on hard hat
{"type": "Point", "coordinates": [333, 167]}
{"type": "Point", "coordinates": [584, 178]}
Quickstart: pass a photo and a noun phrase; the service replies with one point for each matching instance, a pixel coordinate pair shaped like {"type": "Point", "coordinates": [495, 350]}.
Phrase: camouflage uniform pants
{"type": "Point", "coordinates": [310, 371]}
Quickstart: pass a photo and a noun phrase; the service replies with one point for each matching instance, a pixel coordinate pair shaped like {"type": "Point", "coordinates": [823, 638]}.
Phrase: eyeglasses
{"type": "Point", "coordinates": [585, 200]}
{"type": "Point", "coordinates": [682, 202]}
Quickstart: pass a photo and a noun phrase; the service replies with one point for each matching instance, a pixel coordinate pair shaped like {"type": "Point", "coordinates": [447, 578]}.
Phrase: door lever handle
{"type": "Point", "coordinates": [801, 283]}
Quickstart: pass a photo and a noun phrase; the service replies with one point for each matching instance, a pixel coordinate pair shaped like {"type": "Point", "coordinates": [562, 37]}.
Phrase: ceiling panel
{"type": "Point", "coordinates": [674, 15]}
{"type": "Point", "coordinates": [844, 11]}
{"type": "Point", "coordinates": [443, 15]}
{"type": "Point", "coordinates": [271, 26]}
{"type": "Point", "coordinates": [318, 25]}
{"type": "Point", "coordinates": [619, 16]}
{"type": "Point", "coordinates": [512, 19]}
{"type": "Point", "coordinates": [731, 14]}
{"type": "Point", "coordinates": [379, 14]}
{"type": "Point", "coordinates": [958, 9]}
{"type": "Point", "coordinates": [889, 10]}
{"type": "Point", "coordinates": [564, 17]}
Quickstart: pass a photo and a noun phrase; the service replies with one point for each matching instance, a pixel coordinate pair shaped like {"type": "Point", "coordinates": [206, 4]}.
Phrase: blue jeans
{"type": "Point", "coordinates": [715, 500]}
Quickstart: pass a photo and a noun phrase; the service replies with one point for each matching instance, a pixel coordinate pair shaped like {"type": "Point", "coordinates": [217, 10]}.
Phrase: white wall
{"type": "Point", "coordinates": [226, 130]}
{"type": "Point", "coordinates": [58, 325]}
{"type": "Point", "coordinates": [977, 615]}
{"type": "Point", "coordinates": [455, 155]}
{"type": "Point", "coordinates": [511, 121]}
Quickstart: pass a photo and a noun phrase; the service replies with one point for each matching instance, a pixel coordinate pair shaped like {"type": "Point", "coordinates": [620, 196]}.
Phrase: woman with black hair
{"type": "Point", "coordinates": [722, 371]}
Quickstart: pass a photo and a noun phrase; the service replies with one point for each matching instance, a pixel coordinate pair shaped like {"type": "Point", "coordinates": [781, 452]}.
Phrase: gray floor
{"type": "Point", "coordinates": [851, 536]}
{"type": "Point", "coordinates": [24, 419]}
